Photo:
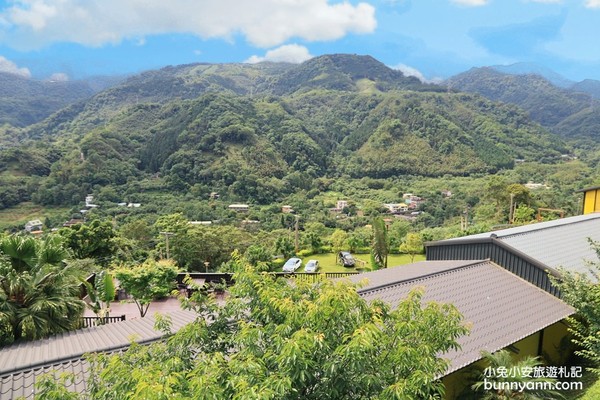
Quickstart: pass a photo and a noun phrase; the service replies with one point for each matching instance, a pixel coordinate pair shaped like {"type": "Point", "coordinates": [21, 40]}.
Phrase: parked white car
{"type": "Point", "coordinates": [292, 264]}
{"type": "Point", "coordinates": [311, 266]}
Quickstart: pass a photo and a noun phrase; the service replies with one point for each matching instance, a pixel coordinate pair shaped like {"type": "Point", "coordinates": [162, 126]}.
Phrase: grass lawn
{"type": "Point", "coordinates": [327, 261]}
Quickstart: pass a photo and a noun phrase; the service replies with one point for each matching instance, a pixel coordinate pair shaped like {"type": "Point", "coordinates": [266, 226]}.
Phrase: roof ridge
{"type": "Point", "coordinates": [545, 228]}
{"type": "Point", "coordinates": [473, 264]}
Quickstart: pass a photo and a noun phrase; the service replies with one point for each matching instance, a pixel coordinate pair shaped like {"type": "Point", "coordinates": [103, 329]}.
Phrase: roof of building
{"type": "Point", "coordinates": [501, 307]}
{"type": "Point", "coordinates": [559, 243]}
{"type": "Point", "coordinates": [23, 363]}
{"type": "Point", "coordinates": [34, 222]}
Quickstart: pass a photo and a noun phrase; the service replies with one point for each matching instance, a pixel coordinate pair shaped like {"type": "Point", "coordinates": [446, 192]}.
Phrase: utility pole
{"type": "Point", "coordinates": [296, 234]}
{"type": "Point", "coordinates": [167, 234]}
{"type": "Point", "coordinates": [511, 211]}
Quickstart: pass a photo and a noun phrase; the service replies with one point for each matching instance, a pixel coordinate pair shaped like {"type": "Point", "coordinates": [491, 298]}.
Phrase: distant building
{"type": "Point", "coordinates": [89, 201]}
{"type": "Point", "coordinates": [239, 207]}
{"type": "Point", "coordinates": [413, 201]}
{"type": "Point", "coordinates": [73, 221]}
{"type": "Point", "coordinates": [287, 209]}
{"type": "Point", "coordinates": [341, 204]}
{"type": "Point", "coordinates": [200, 222]}
{"type": "Point", "coordinates": [395, 208]}
{"type": "Point", "coordinates": [33, 225]}
{"type": "Point", "coordinates": [534, 186]}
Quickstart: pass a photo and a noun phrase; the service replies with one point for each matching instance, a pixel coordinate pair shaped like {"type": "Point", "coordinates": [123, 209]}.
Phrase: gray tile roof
{"type": "Point", "coordinates": [22, 384]}
{"type": "Point", "coordinates": [502, 307]}
{"type": "Point", "coordinates": [22, 363]}
{"type": "Point", "coordinates": [558, 243]}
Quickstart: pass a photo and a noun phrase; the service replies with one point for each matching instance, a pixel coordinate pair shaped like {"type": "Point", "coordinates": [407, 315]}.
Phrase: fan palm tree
{"type": "Point", "coordinates": [38, 293]}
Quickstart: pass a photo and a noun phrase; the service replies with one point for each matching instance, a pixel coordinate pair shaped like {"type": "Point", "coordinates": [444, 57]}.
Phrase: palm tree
{"type": "Point", "coordinates": [38, 293]}
{"type": "Point", "coordinates": [492, 385]}
{"type": "Point", "coordinates": [380, 248]}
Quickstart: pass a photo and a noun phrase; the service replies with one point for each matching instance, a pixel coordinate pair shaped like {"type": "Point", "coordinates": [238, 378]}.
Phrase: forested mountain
{"type": "Point", "coordinates": [525, 68]}
{"type": "Point", "coordinates": [261, 132]}
{"type": "Point", "coordinates": [589, 86]}
{"type": "Point", "coordinates": [26, 101]}
{"type": "Point", "coordinates": [571, 113]}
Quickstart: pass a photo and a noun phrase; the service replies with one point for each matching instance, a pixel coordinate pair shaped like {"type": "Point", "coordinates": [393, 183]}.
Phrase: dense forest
{"type": "Point", "coordinates": [190, 140]}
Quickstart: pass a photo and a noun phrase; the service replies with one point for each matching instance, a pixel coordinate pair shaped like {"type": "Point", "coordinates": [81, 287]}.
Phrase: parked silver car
{"type": "Point", "coordinates": [292, 264]}
{"type": "Point", "coordinates": [311, 266]}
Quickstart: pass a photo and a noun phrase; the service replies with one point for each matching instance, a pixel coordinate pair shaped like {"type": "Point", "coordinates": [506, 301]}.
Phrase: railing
{"type": "Point", "coordinates": [88, 322]}
{"type": "Point", "coordinates": [313, 277]}
{"type": "Point", "coordinates": [227, 277]}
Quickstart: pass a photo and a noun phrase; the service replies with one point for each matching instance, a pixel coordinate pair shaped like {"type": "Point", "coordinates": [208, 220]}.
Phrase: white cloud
{"type": "Point", "coordinates": [471, 3]}
{"type": "Point", "coordinates": [410, 71]}
{"type": "Point", "coordinates": [292, 53]}
{"type": "Point", "coordinates": [12, 68]}
{"type": "Point", "coordinates": [592, 3]}
{"type": "Point", "coordinates": [264, 23]}
{"type": "Point", "coordinates": [59, 77]}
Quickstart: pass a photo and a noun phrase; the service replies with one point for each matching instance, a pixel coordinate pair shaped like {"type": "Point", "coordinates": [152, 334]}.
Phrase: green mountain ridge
{"type": "Point", "coordinates": [225, 128]}
{"type": "Point", "coordinates": [570, 112]}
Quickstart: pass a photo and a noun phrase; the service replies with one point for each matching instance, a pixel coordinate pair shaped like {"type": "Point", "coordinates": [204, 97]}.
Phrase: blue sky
{"type": "Point", "coordinates": [433, 39]}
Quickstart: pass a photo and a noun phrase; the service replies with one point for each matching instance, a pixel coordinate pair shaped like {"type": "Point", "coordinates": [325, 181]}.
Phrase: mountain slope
{"type": "Point", "coordinates": [202, 128]}
{"type": "Point", "coordinates": [545, 103]}
{"type": "Point", "coordinates": [26, 101]}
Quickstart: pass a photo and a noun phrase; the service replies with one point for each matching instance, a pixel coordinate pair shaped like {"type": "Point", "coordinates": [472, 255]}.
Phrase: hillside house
{"type": "Point", "coordinates": [536, 186]}
{"type": "Point", "coordinates": [413, 202]}
{"type": "Point", "coordinates": [89, 201]}
{"type": "Point", "coordinates": [239, 207]}
{"type": "Point", "coordinates": [35, 225]}
{"type": "Point", "coordinates": [287, 209]}
{"type": "Point", "coordinates": [73, 221]}
{"type": "Point", "coordinates": [395, 208]}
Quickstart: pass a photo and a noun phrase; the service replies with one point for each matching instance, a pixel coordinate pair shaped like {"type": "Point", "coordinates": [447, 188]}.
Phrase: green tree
{"type": "Point", "coordinates": [583, 293]}
{"type": "Point", "coordinates": [257, 255]}
{"type": "Point", "coordinates": [380, 248]}
{"type": "Point", "coordinates": [284, 246]}
{"type": "Point", "coordinates": [91, 240]}
{"type": "Point", "coordinates": [147, 282]}
{"type": "Point", "coordinates": [397, 232]}
{"type": "Point", "coordinates": [493, 384]}
{"type": "Point", "coordinates": [199, 245]}
{"type": "Point", "coordinates": [339, 241]}
{"type": "Point", "coordinates": [523, 214]}
{"type": "Point", "coordinates": [273, 340]}
{"type": "Point", "coordinates": [38, 292]}
{"type": "Point", "coordinates": [413, 245]}
{"type": "Point", "coordinates": [360, 237]}
{"type": "Point", "coordinates": [314, 241]}
{"type": "Point", "coordinates": [101, 294]}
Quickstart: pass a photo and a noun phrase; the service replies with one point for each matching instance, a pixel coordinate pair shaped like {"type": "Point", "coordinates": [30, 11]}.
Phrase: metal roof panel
{"type": "Point", "coordinates": [502, 307]}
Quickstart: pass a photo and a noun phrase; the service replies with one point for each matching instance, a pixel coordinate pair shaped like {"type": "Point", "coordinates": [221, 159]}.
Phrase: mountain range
{"type": "Point", "coordinates": [261, 131]}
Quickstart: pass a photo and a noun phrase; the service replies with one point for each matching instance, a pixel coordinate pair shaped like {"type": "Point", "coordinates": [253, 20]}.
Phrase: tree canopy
{"type": "Point", "coordinates": [273, 340]}
{"type": "Point", "coordinates": [38, 291]}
